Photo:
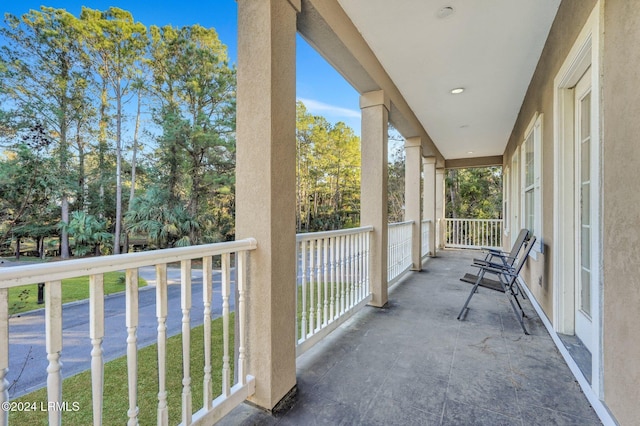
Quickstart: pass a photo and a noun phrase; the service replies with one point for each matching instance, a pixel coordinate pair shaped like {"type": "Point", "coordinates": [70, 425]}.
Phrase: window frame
{"type": "Point", "coordinates": [532, 135]}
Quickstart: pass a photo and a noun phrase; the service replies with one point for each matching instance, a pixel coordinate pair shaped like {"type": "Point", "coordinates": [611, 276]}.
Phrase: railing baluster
{"type": "Point", "coordinates": [312, 277]}
{"type": "Point", "coordinates": [241, 277]}
{"type": "Point", "coordinates": [325, 275]}
{"type": "Point", "coordinates": [161, 315]}
{"type": "Point", "coordinates": [359, 265]}
{"type": "Point", "coordinates": [226, 291]}
{"type": "Point", "coordinates": [332, 251]}
{"type": "Point", "coordinates": [53, 333]}
{"type": "Point", "coordinates": [343, 283]}
{"type": "Point", "coordinates": [96, 334]}
{"type": "Point", "coordinates": [207, 293]}
{"type": "Point", "coordinates": [185, 304]}
{"type": "Point", "coordinates": [303, 325]}
{"type": "Point", "coordinates": [4, 354]}
{"type": "Point", "coordinates": [131, 314]}
{"type": "Point", "coordinates": [319, 284]}
{"type": "Point", "coordinates": [347, 271]}
{"type": "Point", "coordinates": [351, 270]}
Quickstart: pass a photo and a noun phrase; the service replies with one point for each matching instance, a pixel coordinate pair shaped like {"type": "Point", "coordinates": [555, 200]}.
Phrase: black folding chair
{"type": "Point", "coordinates": [506, 258]}
{"type": "Point", "coordinates": [498, 256]}
{"type": "Point", "coordinates": [507, 278]}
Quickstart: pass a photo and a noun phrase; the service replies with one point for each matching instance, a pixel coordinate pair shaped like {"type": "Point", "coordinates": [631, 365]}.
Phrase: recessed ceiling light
{"type": "Point", "coordinates": [445, 12]}
{"type": "Point", "coordinates": [469, 152]}
{"type": "Point", "coordinates": [457, 90]}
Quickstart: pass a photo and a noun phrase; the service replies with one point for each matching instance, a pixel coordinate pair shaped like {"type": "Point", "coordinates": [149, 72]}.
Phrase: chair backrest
{"type": "Point", "coordinates": [523, 237]}
{"type": "Point", "coordinates": [525, 255]}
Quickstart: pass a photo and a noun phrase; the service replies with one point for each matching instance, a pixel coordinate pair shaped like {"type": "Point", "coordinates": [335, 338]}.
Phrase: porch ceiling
{"type": "Point", "coordinates": [490, 49]}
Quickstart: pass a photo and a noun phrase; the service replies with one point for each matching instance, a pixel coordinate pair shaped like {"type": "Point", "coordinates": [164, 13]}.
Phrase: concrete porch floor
{"type": "Point", "coordinates": [413, 363]}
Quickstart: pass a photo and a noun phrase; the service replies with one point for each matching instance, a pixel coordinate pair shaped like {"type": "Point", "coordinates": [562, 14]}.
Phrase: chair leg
{"type": "Point", "coordinates": [519, 317]}
{"type": "Point", "coordinates": [511, 296]}
{"type": "Point", "coordinates": [473, 290]}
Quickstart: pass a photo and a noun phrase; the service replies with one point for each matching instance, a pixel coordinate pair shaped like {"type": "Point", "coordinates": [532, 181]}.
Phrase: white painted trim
{"type": "Point", "coordinates": [598, 405]}
{"type": "Point", "coordinates": [585, 53]}
{"type": "Point", "coordinates": [222, 405]}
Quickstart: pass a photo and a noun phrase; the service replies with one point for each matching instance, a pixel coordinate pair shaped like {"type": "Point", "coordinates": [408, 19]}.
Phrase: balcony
{"type": "Point", "coordinates": [412, 362]}
{"type": "Point", "coordinates": [408, 362]}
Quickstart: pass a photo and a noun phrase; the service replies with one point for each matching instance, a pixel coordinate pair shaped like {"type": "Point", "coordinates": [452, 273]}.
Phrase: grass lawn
{"type": "Point", "coordinates": [25, 298]}
{"type": "Point", "coordinates": [76, 390]}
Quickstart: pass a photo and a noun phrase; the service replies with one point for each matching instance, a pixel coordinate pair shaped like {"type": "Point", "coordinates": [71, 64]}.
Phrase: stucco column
{"type": "Point", "coordinates": [265, 189]}
{"type": "Point", "coordinates": [429, 199]}
{"type": "Point", "coordinates": [412, 197]}
{"type": "Point", "coordinates": [440, 207]}
{"type": "Point", "coordinates": [373, 188]}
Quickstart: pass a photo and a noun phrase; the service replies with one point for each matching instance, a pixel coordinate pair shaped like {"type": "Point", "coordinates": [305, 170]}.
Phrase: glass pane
{"type": "Point", "coordinates": [585, 198]}
{"type": "Point", "coordinates": [585, 117]}
{"type": "Point", "coordinates": [585, 292]}
{"type": "Point", "coordinates": [585, 247]}
{"type": "Point", "coordinates": [529, 161]}
{"type": "Point", "coordinates": [585, 169]}
{"type": "Point", "coordinates": [529, 210]}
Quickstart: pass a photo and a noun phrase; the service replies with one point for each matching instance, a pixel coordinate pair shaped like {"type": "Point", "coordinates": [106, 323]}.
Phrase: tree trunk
{"type": "Point", "coordinates": [40, 244]}
{"type": "Point", "coordinates": [132, 190]}
{"type": "Point", "coordinates": [82, 179]}
{"type": "Point", "coordinates": [116, 237]}
{"type": "Point", "coordinates": [64, 235]}
{"type": "Point", "coordinates": [102, 145]}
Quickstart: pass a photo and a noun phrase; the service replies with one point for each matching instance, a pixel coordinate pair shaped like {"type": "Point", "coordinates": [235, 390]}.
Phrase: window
{"type": "Point", "coordinates": [506, 193]}
{"type": "Point", "coordinates": [514, 209]}
{"type": "Point", "coordinates": [531, 197]}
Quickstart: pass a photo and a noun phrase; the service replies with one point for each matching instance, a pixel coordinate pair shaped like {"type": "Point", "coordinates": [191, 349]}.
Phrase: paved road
{"type": "Point", "coordinates": [28, 358]}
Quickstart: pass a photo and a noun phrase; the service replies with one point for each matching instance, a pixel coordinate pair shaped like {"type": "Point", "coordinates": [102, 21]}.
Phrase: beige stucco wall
{"type": "Point", "coordinates": [621, 208]}
{"type": "Point", "coordinates": [572, 15]}
{"type": "Point", "coordinates": [620, 127]}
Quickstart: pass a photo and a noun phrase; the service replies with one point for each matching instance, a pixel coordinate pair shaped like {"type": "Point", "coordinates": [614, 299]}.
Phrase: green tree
{"type": "Point", "coordinates": [46, 78]}
{"type": "Point", "coordinates": [118, 45]}
{"type": "Point", "coordinates": [328, 173]}
{"type": "Point", "coordinates": [195, 91]}
{"type": "Point", "coordinates": [27, 189]}
{"type": "Point", "coordinates": [165, 226]}
{"type": "Point", "coordinates": [395, 185]}
{"type": "Point", "coordinates": [88, 232]}
{"type": "Point", "coordinates": [474, 193]}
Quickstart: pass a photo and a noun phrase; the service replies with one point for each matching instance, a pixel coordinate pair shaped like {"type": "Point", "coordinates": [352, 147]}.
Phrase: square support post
{"type": "Point", "coordinates": [440, 197]}
{"type": "Point", "coordinates": [412, 198]}
{"type": "Point", "coordinates": [265, 190]}
{"type": "Point", "coordinates": [429, 199]}
{"type": "Point", "coordinates": [374, 182]}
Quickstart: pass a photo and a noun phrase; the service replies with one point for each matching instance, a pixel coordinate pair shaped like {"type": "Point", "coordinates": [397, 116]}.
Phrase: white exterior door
{"type": "Point", "coordinates": [585, 219]}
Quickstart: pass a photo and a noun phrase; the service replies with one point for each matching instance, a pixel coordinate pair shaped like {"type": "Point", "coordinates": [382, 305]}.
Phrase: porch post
{"type": "Point", "coordinates": [429, 171]}
{"type": "Point", "coordinates": [265, 189]}
{"type": "Point", "coordinates": [440, 207]}
{"type": "Point", "coordinates": [412, 202]}
{"type": "Point", "coordinates": [374, 176]}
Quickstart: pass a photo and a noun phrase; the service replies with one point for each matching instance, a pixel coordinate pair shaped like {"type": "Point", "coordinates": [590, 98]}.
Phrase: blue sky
{"type": "Point", "coordinates": [319, 86]}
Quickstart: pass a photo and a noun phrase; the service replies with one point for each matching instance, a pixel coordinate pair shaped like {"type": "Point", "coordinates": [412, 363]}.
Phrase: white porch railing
{"type": "Point", "coordinates": [332, 281]}
{"type": "Point", "coordinates": [425, 230]}
{"type": "Point", "coordinates": [232, 394]}
{"type": "Point", "coordinates": [399, 255]}
{"type": "Point", "coordinates": [473, 233]}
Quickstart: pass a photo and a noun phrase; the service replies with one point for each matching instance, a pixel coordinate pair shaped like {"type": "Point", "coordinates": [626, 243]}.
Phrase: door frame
{"type": "Point", "coordinates": [585, 53]}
